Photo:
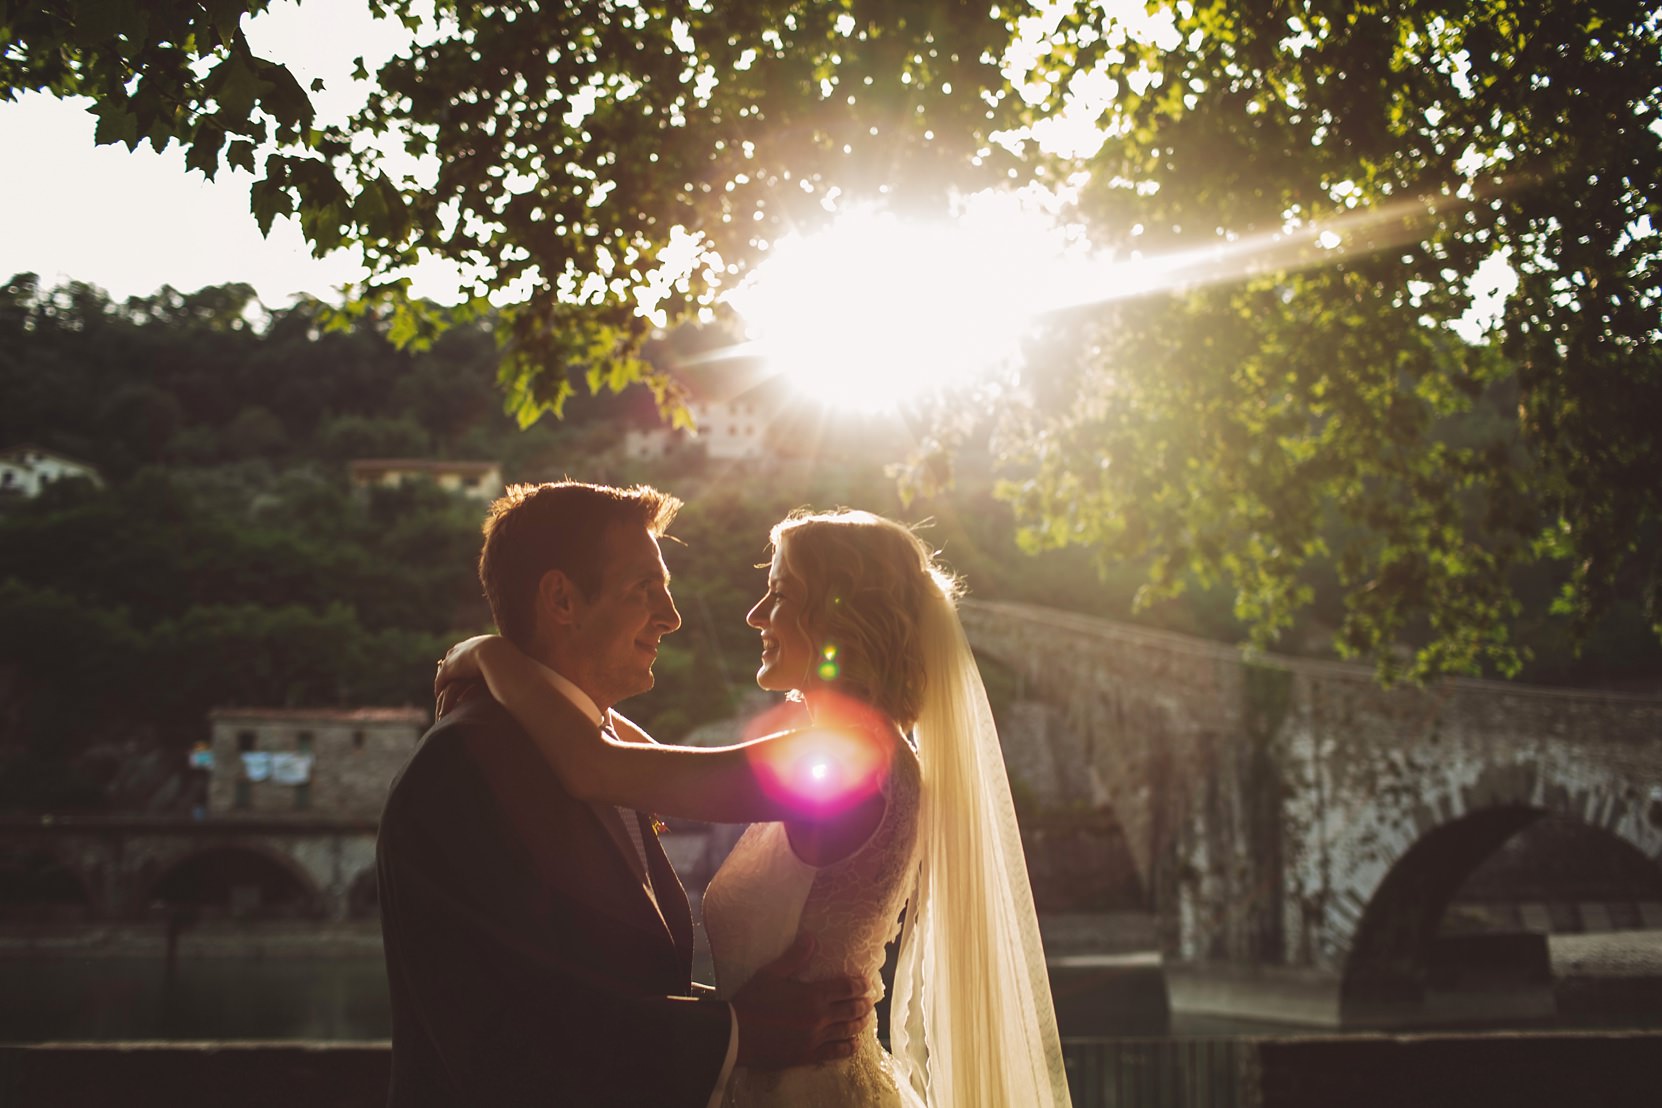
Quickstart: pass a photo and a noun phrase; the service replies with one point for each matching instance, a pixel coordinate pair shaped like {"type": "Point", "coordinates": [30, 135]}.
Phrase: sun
{"type": "Point", "coordinates": [875, 311]}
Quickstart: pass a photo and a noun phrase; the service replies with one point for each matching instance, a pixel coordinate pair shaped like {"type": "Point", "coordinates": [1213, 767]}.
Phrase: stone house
{"type": "Point", "coordinates": [308, 762]}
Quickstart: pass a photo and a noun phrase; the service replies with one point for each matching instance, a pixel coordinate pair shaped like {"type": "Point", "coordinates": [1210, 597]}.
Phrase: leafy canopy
{"type": "Point", "coordinates": [1309, 409]}
{"type": "Point", "coordinates": [1301, 410]}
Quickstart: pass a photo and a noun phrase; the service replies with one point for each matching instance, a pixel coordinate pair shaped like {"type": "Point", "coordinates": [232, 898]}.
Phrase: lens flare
{"type": "Point", "coordinates": [830, 766]}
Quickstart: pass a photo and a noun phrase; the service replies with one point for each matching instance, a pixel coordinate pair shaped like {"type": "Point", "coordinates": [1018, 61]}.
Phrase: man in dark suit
{"type": "Point", "coordinates": [539, 948]}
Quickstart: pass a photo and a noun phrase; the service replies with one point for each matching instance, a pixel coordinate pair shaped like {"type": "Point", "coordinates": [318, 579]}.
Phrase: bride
{"type": "Point", "coordinates": [892, 798]}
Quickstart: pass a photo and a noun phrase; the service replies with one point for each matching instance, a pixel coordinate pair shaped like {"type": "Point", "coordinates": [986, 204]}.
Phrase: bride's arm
{"type": "Point", "coordinates": [798, 776]}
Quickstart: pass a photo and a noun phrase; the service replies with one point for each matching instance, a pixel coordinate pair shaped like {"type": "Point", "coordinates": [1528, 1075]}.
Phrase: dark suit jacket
{"type": "Point", "coordinates": [526, 963]}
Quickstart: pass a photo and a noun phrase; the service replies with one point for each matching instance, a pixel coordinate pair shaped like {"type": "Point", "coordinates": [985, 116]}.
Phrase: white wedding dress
{"type": "Point", "coordinates": [764, 895]}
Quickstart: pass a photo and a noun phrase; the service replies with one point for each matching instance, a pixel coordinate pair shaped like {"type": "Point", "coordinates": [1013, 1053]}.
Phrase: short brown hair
{"type": "Point", "coordinates": [561, 525]}
{"type": "Point", "coordinates": [867, 579]}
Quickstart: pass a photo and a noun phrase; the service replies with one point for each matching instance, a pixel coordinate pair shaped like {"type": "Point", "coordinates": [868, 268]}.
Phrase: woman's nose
{"type": "Point", "coordinates": [754, 616]}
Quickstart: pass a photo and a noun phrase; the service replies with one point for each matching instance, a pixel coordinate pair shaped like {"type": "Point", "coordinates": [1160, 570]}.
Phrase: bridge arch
{"type": "Point", "coordinates": [38, 880]}
{"type": "Point", "coordinates": [1386, 950]}
{"type": "Point", "coordinates": [237, 880]}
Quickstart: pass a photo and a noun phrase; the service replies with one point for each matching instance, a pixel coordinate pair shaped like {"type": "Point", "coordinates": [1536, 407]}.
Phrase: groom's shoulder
{"type": "Point", "coordinates": [458, 740]}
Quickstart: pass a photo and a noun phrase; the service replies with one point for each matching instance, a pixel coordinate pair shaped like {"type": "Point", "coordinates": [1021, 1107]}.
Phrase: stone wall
{"type": "Point", "coordinates": [355, 752]}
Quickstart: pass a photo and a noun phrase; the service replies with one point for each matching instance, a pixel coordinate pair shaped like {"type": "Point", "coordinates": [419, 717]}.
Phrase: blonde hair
{"type": "Point", "coordinates": [866, 580]}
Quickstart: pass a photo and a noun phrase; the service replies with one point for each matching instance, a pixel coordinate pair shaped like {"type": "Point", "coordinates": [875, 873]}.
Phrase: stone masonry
{"type": "Point", "coordinates": [1293, 815]}
{"type": "Point", "coordinates": [355, 753]}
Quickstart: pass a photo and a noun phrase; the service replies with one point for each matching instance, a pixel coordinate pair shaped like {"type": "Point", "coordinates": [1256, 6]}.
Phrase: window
{"type": "Point", "coordinates": [303, 796]}
{"type": "Point", "coordinates": [303, 743]}
{"type": "Point", "coordinates": [245, 741]}
{"type": "Point", "coordinates": [244, 794]}
{"type": "Point", "coordinates": [357, 740]}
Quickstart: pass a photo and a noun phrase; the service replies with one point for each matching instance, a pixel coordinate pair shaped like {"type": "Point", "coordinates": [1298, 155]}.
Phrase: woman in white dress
{"type": "Point", "coordinates": [893, 797]}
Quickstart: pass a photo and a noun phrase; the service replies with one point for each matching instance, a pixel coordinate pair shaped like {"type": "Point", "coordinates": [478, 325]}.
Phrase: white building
{"type": "Point", "coordinates": [26, 471]}
{"type": "Point", "coordinates": [728, 430]}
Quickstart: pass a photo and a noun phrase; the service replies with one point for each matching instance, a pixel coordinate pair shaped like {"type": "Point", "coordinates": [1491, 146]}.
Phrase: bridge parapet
{"type": "Point", "coordinates": [1290, 813]}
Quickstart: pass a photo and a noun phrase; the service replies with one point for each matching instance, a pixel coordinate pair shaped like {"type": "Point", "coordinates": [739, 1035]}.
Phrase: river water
{"type": "Point", "coordinates": [344, 998]}
{"type": "Point", "coordinates": [117, 998]}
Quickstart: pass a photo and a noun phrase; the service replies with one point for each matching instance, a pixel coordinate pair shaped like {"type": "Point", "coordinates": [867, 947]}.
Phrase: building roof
{"type": "Point", "coordinates": [326, 715]}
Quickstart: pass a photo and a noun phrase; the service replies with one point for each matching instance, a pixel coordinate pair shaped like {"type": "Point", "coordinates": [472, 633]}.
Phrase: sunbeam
{"type": "Point", "coordinates": [876, 311]}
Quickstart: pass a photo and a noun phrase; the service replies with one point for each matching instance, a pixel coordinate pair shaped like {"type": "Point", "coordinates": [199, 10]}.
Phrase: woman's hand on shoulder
{"type": "Point", "coordinates": [459, 671]}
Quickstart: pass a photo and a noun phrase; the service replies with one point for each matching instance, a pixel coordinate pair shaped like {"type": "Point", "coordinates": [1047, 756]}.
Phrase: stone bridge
{"type": "Point", "coordinates": [1299, 830]}
{"type": "Point", "coordinates": [115, 869]}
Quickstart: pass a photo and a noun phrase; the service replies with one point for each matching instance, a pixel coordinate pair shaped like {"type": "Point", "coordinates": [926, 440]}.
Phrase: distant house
{"type": "Point", "coordinates": [733, 404]}
{"type": "Point", "coordinates": [479, 480]}
{"type": "Point", "coordinates": [728, 430]}
{"type": "Point", "coordinates": [26, 471]}
{"type": "Point", "coordinates": [307, 761]}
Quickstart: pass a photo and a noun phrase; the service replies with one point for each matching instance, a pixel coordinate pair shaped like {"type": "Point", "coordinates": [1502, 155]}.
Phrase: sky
{"type": "Point", "coordinates": [133, 221]}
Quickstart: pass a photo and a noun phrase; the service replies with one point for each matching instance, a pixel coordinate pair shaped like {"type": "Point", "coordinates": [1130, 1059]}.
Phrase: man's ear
{"type": "Point", "coordinates": [558, 598]}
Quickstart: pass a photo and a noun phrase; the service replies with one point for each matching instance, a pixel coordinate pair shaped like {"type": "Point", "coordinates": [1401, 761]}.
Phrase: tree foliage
{"type": "Point", "coordinates": [165, 72]}
{"type": "Point", "coordinates": [1298, 411]}
{"type": "Point", "coordinates": [1318, 408]}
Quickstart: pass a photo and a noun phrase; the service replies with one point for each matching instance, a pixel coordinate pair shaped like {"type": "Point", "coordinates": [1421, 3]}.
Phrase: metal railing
{"type": "Point", "coordinates": [1161, 1073]}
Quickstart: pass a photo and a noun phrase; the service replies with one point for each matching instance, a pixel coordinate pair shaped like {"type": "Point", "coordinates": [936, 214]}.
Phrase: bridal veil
{"type": "Point", "coordinates": [972, 1023]}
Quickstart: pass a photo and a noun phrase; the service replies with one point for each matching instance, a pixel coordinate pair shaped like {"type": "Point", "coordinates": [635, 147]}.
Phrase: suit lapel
{"type": "Point", "coordinates": [672, 897]}
{"type": "Point", "coordinates": [571, 849]}
{"type": "Point", "coordinates": [612, 820]}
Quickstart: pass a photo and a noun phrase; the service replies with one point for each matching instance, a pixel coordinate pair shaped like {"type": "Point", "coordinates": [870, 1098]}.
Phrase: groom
{"type": "Point", "coordinates": [539, 949]}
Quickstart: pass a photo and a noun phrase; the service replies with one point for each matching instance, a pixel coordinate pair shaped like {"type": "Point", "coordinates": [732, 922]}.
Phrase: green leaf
{"type": "Point", "coordinates": [203, 150]}
{"type": "Point", "coordinates": [239, 154]}
{"type": "Point", "coordinates": [236, 86]}
{"type": "Point", "coordinates": [100, 20]}
{"type": "Point", "coordinates": [268, 200]}
{"type": "Point", "coordinates": [115, 124]}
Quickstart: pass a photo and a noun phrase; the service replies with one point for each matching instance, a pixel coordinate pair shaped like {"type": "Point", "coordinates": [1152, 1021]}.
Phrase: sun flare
{"type": "Point", "coordinates": [876, 311]}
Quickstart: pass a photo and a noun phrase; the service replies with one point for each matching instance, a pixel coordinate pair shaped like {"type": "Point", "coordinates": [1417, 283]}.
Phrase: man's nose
{"type": "Point", "coordinates": [668, 618]}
